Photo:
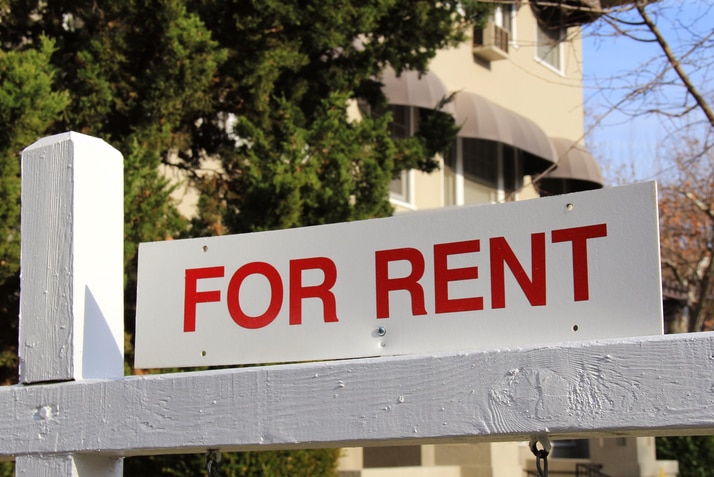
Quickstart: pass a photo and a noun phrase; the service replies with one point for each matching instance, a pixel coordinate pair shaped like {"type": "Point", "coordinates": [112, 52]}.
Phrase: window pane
{"type": "Point", "coordinates": [504, 18]}
{"type": "Point", "coordinates": [512, 168]}
{"type": "Point", "coordinates": [549, 45]}
{"type": "Point", "coordinates": [399, 127]}
{"type": "Point", "coordinates": [481, 161]}
{"type": "Point", "coordinates": [450, 176]}
{"type": "Point", "coordinates": [396, 187]}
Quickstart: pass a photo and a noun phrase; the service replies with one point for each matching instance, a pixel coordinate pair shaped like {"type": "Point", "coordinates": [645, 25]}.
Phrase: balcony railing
{"type": "Point", "coordinates": [581, 470]}
{"type": "Point", "coordinates": [589, 470]}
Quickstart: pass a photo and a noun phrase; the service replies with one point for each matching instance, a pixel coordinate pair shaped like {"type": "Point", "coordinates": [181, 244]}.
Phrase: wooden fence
{"type": "Point", "coordinates": [75, 414]}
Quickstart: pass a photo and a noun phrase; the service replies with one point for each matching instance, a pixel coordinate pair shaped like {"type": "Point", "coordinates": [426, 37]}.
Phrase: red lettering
{"type": "Point", "coordinates": [410, 283]}
{"type": "Point", "coordinates": [298, 292]}
{"type": "Point", "coordinates": [443, 275]}
{"type": "Point", "coordinates": [192, 296]}
{"type": "Point", "coordinates": [578, 236]}
{"type": "Point", "coordinates": [276, 295]}
{"type": "Point", "coordinates": [501, 254]}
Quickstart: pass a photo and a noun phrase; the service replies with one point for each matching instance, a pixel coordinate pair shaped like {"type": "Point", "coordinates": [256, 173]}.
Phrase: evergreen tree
{"type": "Point", "coordinates": [694, 453]}
{"type": "Point", "coordinates": [289, 92]}
{"type": "Point", "coordinates": [260, 86]}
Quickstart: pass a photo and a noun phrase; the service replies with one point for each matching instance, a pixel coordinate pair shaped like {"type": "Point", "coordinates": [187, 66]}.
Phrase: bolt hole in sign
{"type": "Point", "coordinates": [573, 267]}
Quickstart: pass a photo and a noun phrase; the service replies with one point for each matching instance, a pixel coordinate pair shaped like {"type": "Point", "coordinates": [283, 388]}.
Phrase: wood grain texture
{"type": "Point", "coordinates": [71, 305]}
{"type": "Point", "coordinates": [624, 387]}
{"type": "Point", "coordinates": [47, 466]}
{"type": "Point", "coordinates": [47, 327]}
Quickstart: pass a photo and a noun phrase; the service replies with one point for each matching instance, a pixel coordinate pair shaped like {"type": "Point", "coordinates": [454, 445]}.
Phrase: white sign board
{"type": "Point", "coordinates": [573, 267]}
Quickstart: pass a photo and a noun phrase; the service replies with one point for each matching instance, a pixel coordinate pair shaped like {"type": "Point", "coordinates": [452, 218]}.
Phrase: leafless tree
{"type": "Point", "coordinates": [687, 239]}
{"type": "Point", "coordinates": [673, 81]}
{"type": "Point", "coordinates": [674, 84]}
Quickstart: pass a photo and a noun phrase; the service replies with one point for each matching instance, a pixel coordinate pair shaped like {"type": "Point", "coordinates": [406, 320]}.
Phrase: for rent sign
{"type": "Point", "coordinates": [572, 267]}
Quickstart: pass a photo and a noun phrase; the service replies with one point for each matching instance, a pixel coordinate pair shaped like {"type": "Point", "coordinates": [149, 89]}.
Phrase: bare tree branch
{"type": "Point", "coordinates": [676, 65]}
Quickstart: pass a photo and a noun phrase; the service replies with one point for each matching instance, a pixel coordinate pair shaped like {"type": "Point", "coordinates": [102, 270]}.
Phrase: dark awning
{"type": "Point", "coordinates": [414, 89]}
{"type": "Point", "coordinates": [480, 118]}
{"type": "Point", "coordinates": [566, 13]}
{"type": "Point", "coordinates": [577, 169]}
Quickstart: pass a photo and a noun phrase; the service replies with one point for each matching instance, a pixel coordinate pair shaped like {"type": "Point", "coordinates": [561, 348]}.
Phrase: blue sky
{"type": "Point", "coordinates": [642, 142]}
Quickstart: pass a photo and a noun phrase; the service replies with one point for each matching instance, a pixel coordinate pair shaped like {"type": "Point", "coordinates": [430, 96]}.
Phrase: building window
{"type": "Point", "coordinates": [401, 125]}
{"type": "Point", "coordinates": [480, 161]}
{"type": "Point", "coordinates": [512, 168]}
{"type": "Point", "coordinates": [451, 176]}
{"type": "Point", "coordinates": [405, 120]}
{"type": "Point", "coordinates": [478, 171]}
{"type": "Point", "coordinates": [549, 46]}
{"type": "Point", "coordinates": [504, 16]}
{"type": "Point", "coordinates": [493, 164]}
{"type": "Point", "coordinates": [571, 449]}
{"type": "Point", "coordinates": [399, 187]}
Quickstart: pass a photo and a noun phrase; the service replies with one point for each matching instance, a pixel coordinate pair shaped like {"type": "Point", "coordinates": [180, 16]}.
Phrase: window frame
{"type": "Point", "coordinates": [556, 47]}
{"type": "Point", "coordinates": [504, 16]}
{"type": "Point", "coordinates": [405, 197]}
{"type": "Point", "coordinates": [504, 159]}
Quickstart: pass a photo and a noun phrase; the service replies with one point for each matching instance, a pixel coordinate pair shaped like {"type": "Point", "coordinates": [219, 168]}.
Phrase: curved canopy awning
{"type": "Point", "coordinates": [577, 169]}
{"type": "Point", "coordinates": [481, 118]}
{"type": "Point", "coordinates": [414, 89]}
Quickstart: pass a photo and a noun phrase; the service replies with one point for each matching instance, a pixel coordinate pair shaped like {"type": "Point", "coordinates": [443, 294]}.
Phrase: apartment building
{"type": "Point", "coordinates": [519, 102]}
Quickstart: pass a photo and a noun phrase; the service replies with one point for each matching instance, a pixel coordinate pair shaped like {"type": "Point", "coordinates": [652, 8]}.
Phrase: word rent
{"type": "Point", "coordinates": [500, 257]}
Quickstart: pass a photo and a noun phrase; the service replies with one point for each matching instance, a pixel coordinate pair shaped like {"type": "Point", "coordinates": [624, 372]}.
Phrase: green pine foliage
{"type": "Point", "coordinates": [694, 453]}
{"type": "Point", "coordinates": [261, 87]}
{"type": "Point", "coordinates": [302, 161]}
{"type": "Point", "coordinates": [28, 106]}
{"type": "Point", "coordinates": [294, 463]}
{"type": "Point", "coordinates": [332, 172]}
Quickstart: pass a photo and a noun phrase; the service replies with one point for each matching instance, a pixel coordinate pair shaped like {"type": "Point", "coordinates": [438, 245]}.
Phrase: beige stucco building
{"type": "Point", "coordinates": [518, 94]}
{"type": "Point", "coordinates": [519, 100]}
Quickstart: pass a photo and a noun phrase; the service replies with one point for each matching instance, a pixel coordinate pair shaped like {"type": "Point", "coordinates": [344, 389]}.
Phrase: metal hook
{"type": "Point", "coordinates": [540, 454]}
{"type": "Point", "coordinates": [213, 457]}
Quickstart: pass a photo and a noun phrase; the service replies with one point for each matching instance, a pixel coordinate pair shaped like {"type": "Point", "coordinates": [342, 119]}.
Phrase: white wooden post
{"type": "Point", "coordinates": [71, 302]}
